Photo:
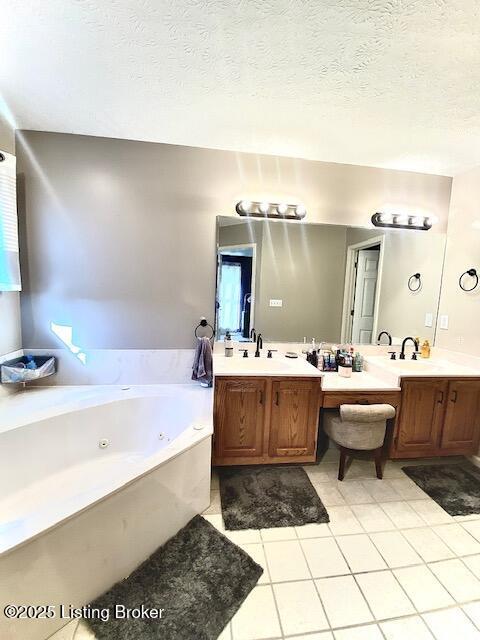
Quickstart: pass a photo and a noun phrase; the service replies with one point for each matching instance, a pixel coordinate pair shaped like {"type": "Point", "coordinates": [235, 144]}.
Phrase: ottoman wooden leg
{"type": "Point", "coordinates": [341, 466]}
{"type": "Point", "coordinates": [378, 462]}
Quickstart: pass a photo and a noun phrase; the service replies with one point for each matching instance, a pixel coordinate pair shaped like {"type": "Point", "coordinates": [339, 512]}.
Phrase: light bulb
{"type": "Point", "coordinates": [264, 207]}
{"type": "Point", "coordinates": [418, 221]}
{"type": "Point", "coordinates": [300, 211]}
{"type": "Point", "coordinates": [402, 219]}
{"type": "Point", "coordinates": [386, 218]}
{"type": "Point", "coordinates": [282, 209]}
{"type": "Point", "coordinates": [245, 206]}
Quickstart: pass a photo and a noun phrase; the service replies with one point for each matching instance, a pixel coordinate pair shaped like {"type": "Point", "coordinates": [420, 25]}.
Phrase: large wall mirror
{"type": "Point", "coordinates": [334, 283]}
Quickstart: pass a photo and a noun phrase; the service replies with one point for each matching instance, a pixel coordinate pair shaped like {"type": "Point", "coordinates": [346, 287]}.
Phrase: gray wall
{"type": "Point", "coordinates": [118, 237]}
{"type": "Point", "coordinates": [10, 333]}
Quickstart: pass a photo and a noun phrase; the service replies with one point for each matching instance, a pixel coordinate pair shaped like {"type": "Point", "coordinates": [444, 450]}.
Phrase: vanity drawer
{"type": "Point", "coordinates": [333, 399]}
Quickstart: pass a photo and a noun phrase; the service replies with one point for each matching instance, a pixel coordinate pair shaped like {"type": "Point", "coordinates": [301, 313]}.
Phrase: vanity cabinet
{"type": "Point", "coordinates": [265, 420]}
{"type": "Point", "coordinates": [438, 417]}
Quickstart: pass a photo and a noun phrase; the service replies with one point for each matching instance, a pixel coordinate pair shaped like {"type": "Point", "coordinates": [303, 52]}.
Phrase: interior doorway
{"type": "Point", "coordinates": [236, 291]}
{"type": "Point", "coordinates": [362, 291]}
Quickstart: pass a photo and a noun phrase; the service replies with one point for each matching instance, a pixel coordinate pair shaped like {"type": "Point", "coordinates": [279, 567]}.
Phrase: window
{"type": "Point", "coordinates": [9, 259]}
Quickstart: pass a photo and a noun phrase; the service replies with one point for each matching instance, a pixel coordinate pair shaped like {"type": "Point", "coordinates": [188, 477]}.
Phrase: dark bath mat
{"type": "Point", "coordinates": [263, 497]}
{"type": "Point", "coordinates": [198, 577]}
{"type": "Point", "coordinates": [455, 487]}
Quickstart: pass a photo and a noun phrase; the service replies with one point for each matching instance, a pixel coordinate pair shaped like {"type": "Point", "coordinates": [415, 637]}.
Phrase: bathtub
{"type": "Point", "coordinates": [92, 480]}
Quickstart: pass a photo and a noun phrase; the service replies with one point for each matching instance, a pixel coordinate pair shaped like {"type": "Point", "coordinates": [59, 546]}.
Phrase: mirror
{"type": "Point", "coordinates": [333, 283]}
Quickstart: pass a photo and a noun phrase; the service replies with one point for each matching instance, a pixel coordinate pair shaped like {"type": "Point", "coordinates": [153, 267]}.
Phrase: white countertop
{"type": "Point", "coordinates": [277, 365]}
{"type": "Point", "coordinates": [380, 373]}
{"type": "Point", "coordinates": [363, 381]}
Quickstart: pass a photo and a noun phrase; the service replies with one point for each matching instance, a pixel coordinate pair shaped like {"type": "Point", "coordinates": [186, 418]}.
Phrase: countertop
{"type": "Point", "coordinates": [277, 365]}
{"type": "Point", "coordinates": [363, 381]}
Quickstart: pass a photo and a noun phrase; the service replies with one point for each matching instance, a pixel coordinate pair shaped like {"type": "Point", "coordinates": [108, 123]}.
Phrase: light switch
{"type": "Point", "coordinates": [443, 322]}
{"type": "Point", "coordinates": [429, 319]}
{"type": "Point", "coordinates": [276, 303]}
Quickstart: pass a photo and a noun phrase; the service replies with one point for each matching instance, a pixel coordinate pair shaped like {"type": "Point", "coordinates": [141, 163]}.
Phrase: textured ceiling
{"type": "Point", "coordinates": [391, 83]}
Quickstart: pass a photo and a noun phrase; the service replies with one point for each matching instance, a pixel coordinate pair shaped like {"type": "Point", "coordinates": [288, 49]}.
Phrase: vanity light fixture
{"type": "Point", "coordinates": [278, 210]}
{"type": "Point", "coordinates": [402, 221]}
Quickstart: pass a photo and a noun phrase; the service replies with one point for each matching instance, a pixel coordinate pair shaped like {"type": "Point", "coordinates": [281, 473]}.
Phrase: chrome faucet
{"type": "Point", "coordinates": [384, 333]}
{"type": "Point", "coordinates": [259, 345]}
{"type": "Point", "coordinates": [402, 352]}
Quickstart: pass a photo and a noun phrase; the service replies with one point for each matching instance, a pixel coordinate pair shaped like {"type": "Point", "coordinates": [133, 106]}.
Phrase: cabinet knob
{"type": "Point", "coordinates": [454, 396]}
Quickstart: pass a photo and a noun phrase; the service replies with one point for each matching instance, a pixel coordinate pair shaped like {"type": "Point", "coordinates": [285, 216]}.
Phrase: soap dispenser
{"type": "Point", "coordinates": [425, 350]}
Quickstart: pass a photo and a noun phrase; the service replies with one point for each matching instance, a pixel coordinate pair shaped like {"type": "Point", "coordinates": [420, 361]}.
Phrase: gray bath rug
{"type": "Point", "coordinates": [263, 497]}
{"type": "Point", "coordinates": [455, 487]}
{"type": "Point", "coordinates": [199, 578]}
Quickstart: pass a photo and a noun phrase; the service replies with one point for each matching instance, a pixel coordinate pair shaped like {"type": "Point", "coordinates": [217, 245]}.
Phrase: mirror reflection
{"type": "Point", "coordinates": [334, 283]}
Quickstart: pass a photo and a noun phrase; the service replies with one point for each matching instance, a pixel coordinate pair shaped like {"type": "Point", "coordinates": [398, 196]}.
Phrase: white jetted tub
{"type": "Point", "coordinates": [92, 480]}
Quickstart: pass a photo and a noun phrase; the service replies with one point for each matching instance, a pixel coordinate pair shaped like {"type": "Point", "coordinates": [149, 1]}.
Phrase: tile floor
{"type": "Point", "coordinates": [390, 565]}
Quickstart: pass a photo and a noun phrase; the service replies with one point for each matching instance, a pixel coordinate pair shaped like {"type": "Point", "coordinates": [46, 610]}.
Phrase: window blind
{"type": "Point", "coordinates": [9, 258]}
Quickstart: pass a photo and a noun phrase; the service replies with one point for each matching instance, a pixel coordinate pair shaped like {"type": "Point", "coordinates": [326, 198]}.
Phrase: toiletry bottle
{"type": "Point", "coordinates": [425, 350]}
{"type": "Point", "coordinates": [228, 345]}
{"type": "Point", "coordinates": [357, 362]}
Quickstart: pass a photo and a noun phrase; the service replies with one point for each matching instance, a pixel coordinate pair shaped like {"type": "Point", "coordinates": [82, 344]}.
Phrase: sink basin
{"type": "Point", "coordinates": [263, 366]}
{"type": "Point", "coordinates": [415, 365]}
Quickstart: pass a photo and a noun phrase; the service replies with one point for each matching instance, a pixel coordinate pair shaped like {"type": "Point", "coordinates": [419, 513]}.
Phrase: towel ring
{"type": "Point", "coordinates": [415, 277]}
{"type": "Point", "coordinates": [203, 323]}
{"type": "Point", "coordinates": [473, 274]}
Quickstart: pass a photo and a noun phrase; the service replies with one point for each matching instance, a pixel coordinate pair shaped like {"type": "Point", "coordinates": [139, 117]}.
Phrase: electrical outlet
{"type": "Point", "coordinates": [429, 319]}
{"type": "Point", "coordinates": [276, 303]}
{"type": "Point", "coordinates": [443, 322]}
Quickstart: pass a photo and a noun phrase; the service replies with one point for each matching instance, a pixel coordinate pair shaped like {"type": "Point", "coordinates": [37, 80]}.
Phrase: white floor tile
{"type": "Point", "coordinates": [473, 528]}
{"type": "Point", "coordinates": [459, 540]}
{"type": "Point", "coordinates": [407, 489]}
{"type": "Point", "coordinates": [214, 481]}
{"type": "Point", "coordinates": [360, 553]}
{"type": "Point", "coordinates": [215, 506]}
{"type": "Point", "coordinates": [286, 561]}
{"type": "Point", "coordinates": [256, 552]}
{"type": "Point", "coordinates": [381, 491]}
{"type": "Point", "coordinates": [406, 629]}
{"type": "Point", "coordinates": [343, 521]}
{"type": "Point", "coordinates": [457, 579]}
{"type": "Point", "coordinates": [324, 557]}
{"type": "Point", "coordinates": [83, 632]}
{"type": "Point", "coordinates": [323, 635]}
{"type": "Point", "coordinates": [473, 563]}
{"type": "Point", "coordinates": [216, 520]}
{"type": "Point", "coordinates": [431, 512]}
{"type": "Point", "coordinates": [395, 549]}
{"type": "Point", "coordinates": [473, 612]}
{"type": "Point", "coordinates": [329, 494]}
{"type": "Point", "coordinates": [450, 624]}
{"type": "Point", "coordinates": [67, 632]}
{"type": "Point", "coordinates": [423, 588]}
{"type": "Point", "coordinates": [318, 473]}
{"type": "Point", "coordinates": [427, 544]}
{"type": "Point", "coordinates": [244, 536]}
{"type": "Point", "coordinates": [300, 607]}
{"type": "Point", "coordinates": [402, 515]}
{"type": "Point", "coordinates": [384, 595]}
{"type": "Point", "coordinates": [313, 531]}
{"type": "Point", "coordinates": [278, 533]}
{"type": "Point", "coordinates": [367, 632]}
{"type": "Point", "coordinates": [226, 633]}
{"type": "Point", "coordinates": [343, 601]}
{"type": "Point", "coordinates": [354, 492]}
{"type": "Point", "coordinates": [372, 517]}
{"type": "Point", "coordinates": [393, 469]}
{"type": "Point", "coordinates": [257, 617]}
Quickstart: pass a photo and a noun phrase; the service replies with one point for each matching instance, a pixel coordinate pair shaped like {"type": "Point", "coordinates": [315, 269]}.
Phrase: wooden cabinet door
{"type": "Point", "coordinates": [239, 416]}
{"type": "Point", "coordinates": [462, 419]}
{"type": "Point", "coordinates": [421, 416]}
{"type": "Point", "coordinates": [294, 417]}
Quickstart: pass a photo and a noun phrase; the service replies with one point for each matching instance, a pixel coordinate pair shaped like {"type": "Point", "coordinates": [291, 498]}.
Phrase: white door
{"type": "Point", "coordinates": [365, 289]}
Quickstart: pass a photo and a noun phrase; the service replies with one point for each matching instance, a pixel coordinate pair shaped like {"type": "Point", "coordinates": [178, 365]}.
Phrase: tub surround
{"type": "Point", "coordinates": [94, 476]}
